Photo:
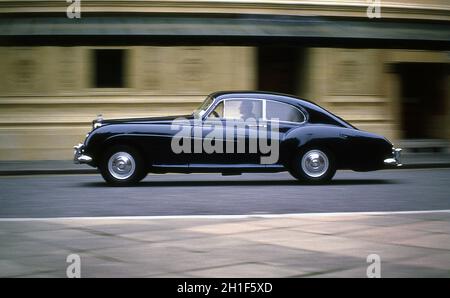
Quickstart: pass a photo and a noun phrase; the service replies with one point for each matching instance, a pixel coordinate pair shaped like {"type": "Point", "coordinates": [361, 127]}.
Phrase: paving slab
{"type": "Point", "coordinates": [284, 246]}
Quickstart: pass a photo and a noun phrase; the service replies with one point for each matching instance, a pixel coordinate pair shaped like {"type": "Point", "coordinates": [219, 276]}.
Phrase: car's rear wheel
{"type": "Point", "coordinates": [122, 165]}
{"type": "Point", "coordinates": [313, 165]}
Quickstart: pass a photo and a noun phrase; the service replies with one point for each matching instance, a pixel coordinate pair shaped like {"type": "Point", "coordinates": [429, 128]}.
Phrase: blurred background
{"type": "Point", "coordinates": [388, 75]}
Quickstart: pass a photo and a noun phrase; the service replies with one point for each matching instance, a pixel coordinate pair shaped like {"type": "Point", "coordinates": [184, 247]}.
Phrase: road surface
{"type": "Point", "coordinates": [195, 194]}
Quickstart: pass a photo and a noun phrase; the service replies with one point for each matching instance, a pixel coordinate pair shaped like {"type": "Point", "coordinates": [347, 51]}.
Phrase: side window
{"type": "Point", "coordinates": [243, 109]}
{"type": "Point", "coordinates": [217, 113]}
{"type": "Point", "coordinates": [283, 112]}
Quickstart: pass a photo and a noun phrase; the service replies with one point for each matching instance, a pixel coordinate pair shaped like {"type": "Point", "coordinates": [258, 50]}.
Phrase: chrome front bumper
{"type": "Point", "coordinates": [395, 160]}
{"type": "Point", "coordinates": [78, 156]}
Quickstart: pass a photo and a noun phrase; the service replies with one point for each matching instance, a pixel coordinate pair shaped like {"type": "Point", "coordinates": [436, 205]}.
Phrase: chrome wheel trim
{"type": "Point", "coordinates": [315, 163]}
{"type": "Point", "coordinates": [121, 165]}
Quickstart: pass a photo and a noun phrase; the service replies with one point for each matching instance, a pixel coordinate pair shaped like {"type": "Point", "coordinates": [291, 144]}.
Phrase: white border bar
{"type": "Point", "coordinates": [237, 216]}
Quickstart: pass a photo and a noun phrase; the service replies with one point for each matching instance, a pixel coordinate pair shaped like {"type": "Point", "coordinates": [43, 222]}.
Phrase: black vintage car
{"type": "Point", "coordinates": [310, 142]}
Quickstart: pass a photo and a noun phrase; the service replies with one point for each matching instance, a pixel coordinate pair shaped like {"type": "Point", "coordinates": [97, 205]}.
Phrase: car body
{"type": "Point", "coordinates": [312, 142]}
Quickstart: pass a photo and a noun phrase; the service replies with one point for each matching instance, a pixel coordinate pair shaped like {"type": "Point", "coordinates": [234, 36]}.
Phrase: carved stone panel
{"type": "Point", "coordinates": [354, 72]}
{"type": "Point", "coordinates": [68, 68]}
{"type": "Point", "coordinates": [23, 68]}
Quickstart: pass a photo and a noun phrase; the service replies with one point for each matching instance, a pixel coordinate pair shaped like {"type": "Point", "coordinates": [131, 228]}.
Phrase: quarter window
{"type": "Point", "coordinates": [283, 112]}
{"type": "Point", "coordinates": [218, 111]}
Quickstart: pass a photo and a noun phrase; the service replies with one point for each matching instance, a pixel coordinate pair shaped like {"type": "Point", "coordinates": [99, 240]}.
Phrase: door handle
{"type": "Point", "coordinates": [343, 136]}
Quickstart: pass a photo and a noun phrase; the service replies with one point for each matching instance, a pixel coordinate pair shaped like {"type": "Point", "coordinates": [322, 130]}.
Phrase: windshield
{"type": "Point", "coordinates": [201, 110]}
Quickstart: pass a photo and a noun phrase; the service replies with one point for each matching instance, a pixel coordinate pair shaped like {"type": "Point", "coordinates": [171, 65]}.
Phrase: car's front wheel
{"type": "Point", "coordinates": [313, 165]}
{"type": "Point", "coordinates": [122, 165]}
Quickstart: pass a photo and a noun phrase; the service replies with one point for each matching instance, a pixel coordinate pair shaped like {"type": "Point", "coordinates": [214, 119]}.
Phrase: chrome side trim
{"type": "Point", "coordinates": [219, 166]}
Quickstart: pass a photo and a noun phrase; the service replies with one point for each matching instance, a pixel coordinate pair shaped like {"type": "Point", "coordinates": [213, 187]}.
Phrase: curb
{"type": "Point", "coordinates": [30, 172]}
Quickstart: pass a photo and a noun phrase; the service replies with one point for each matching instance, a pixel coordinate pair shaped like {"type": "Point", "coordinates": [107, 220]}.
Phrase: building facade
{"type": "Point", "coordinates": [150, 58]}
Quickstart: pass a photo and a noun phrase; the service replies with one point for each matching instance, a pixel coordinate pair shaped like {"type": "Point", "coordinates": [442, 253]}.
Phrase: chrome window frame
{"type": "Point", "coordinates": [288, 104]}
{"type": "Point", "coordinates": [264, 109]}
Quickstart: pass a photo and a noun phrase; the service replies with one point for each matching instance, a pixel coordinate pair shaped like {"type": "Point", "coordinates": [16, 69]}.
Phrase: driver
{"type": "Point", "coordinates": [246, 110]}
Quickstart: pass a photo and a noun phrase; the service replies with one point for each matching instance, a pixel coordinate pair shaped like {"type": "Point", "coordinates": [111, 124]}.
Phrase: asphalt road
{"type": "Point", "coordinates": [193, 194]}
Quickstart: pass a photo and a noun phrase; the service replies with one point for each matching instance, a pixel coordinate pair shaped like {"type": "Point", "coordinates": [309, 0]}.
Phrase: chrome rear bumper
{"type": "Point", "coordinates": [395, 159]}
{"type": "Point", "coordinates": [78, 156]}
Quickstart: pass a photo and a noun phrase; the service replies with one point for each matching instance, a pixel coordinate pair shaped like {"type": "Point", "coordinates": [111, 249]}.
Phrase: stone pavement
{"type": "Point", "coordinates": [328, 245]}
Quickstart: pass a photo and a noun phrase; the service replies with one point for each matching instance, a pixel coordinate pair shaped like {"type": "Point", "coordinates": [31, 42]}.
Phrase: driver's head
{"type": "Point", "coordinates": [246, 108]}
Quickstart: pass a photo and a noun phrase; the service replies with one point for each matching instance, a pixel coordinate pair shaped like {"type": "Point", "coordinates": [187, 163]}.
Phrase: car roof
{"type": "Point", "coordinates": [285, 98]}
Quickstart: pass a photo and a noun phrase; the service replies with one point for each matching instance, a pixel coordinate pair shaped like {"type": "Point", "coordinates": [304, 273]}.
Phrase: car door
{"type": "Point", "coordinates": [236, 123]}
{"type": "Point", "coordinates": [244, 116]}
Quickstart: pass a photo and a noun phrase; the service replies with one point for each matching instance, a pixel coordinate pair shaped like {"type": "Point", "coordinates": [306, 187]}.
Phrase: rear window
{"type": "Point", "coordinates": [283, 112]}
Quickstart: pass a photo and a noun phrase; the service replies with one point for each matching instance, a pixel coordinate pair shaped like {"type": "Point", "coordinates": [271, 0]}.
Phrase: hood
{"type": "Point", "coordinates": [145, 120]}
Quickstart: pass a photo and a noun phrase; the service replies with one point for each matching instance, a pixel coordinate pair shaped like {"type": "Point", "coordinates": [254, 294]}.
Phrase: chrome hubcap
{"type": "Point", "coordinates": [315, 163]}
{"type": "Point", "coordinates": [121, 165]}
